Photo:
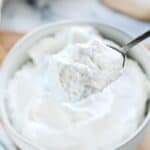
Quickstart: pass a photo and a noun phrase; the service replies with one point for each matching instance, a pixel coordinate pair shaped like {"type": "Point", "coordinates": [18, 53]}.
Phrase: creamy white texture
{"type": "Point", "coordinates": [57, 100]}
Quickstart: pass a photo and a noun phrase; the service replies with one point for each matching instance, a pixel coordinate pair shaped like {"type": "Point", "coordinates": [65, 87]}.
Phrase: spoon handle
{"type": "Point", "coordinates": [136, 41]}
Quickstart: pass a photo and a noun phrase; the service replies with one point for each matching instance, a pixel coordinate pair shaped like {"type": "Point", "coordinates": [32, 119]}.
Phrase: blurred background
{"type": "Point", "coordinates": [21, 16]}
{"type": "Point", "coordinates": [24, 15]}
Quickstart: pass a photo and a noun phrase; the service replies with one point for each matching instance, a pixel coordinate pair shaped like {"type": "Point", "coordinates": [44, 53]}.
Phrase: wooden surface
{"type": "Point", "coordinates": [139, 9]}
{"type": "Point", "coordinates": [8, 39]}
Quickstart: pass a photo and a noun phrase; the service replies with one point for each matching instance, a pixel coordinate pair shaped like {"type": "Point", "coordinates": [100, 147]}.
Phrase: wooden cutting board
{"type": "Point", "coordinates": [8, 39]}
{"type": "Point", "coordinates": [139, 9]}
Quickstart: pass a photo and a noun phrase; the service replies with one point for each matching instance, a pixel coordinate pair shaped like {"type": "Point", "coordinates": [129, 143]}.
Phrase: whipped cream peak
{"type": "Point", "coordinates": [88, 68]}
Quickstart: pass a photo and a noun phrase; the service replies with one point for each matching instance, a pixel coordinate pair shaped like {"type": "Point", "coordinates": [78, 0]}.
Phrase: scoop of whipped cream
{"type": "Point", "coordinates": [86, 68]}
{"type": "Point", "coordinates": [64, 99]}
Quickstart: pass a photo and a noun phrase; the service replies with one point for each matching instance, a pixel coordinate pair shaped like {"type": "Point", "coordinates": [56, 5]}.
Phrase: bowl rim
{"type": "Point", "coordinates": [9, 128]}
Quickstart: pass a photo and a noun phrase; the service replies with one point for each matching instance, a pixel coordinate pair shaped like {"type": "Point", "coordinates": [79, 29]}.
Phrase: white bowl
{"type": "Point", "coordinates": [18, 55]}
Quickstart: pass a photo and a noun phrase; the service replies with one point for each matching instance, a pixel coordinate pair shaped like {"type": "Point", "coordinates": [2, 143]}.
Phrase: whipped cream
{"type": "Point", "coordinates": [65, 97]}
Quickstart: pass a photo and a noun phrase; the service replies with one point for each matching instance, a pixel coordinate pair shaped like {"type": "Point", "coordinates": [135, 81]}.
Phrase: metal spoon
{"type": "Point", "coordinates": [124, 49]}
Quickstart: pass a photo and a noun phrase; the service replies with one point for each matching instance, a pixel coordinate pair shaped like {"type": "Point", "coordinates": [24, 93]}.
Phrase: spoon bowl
{"type": "Point", "coordinates": [124, 49]}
